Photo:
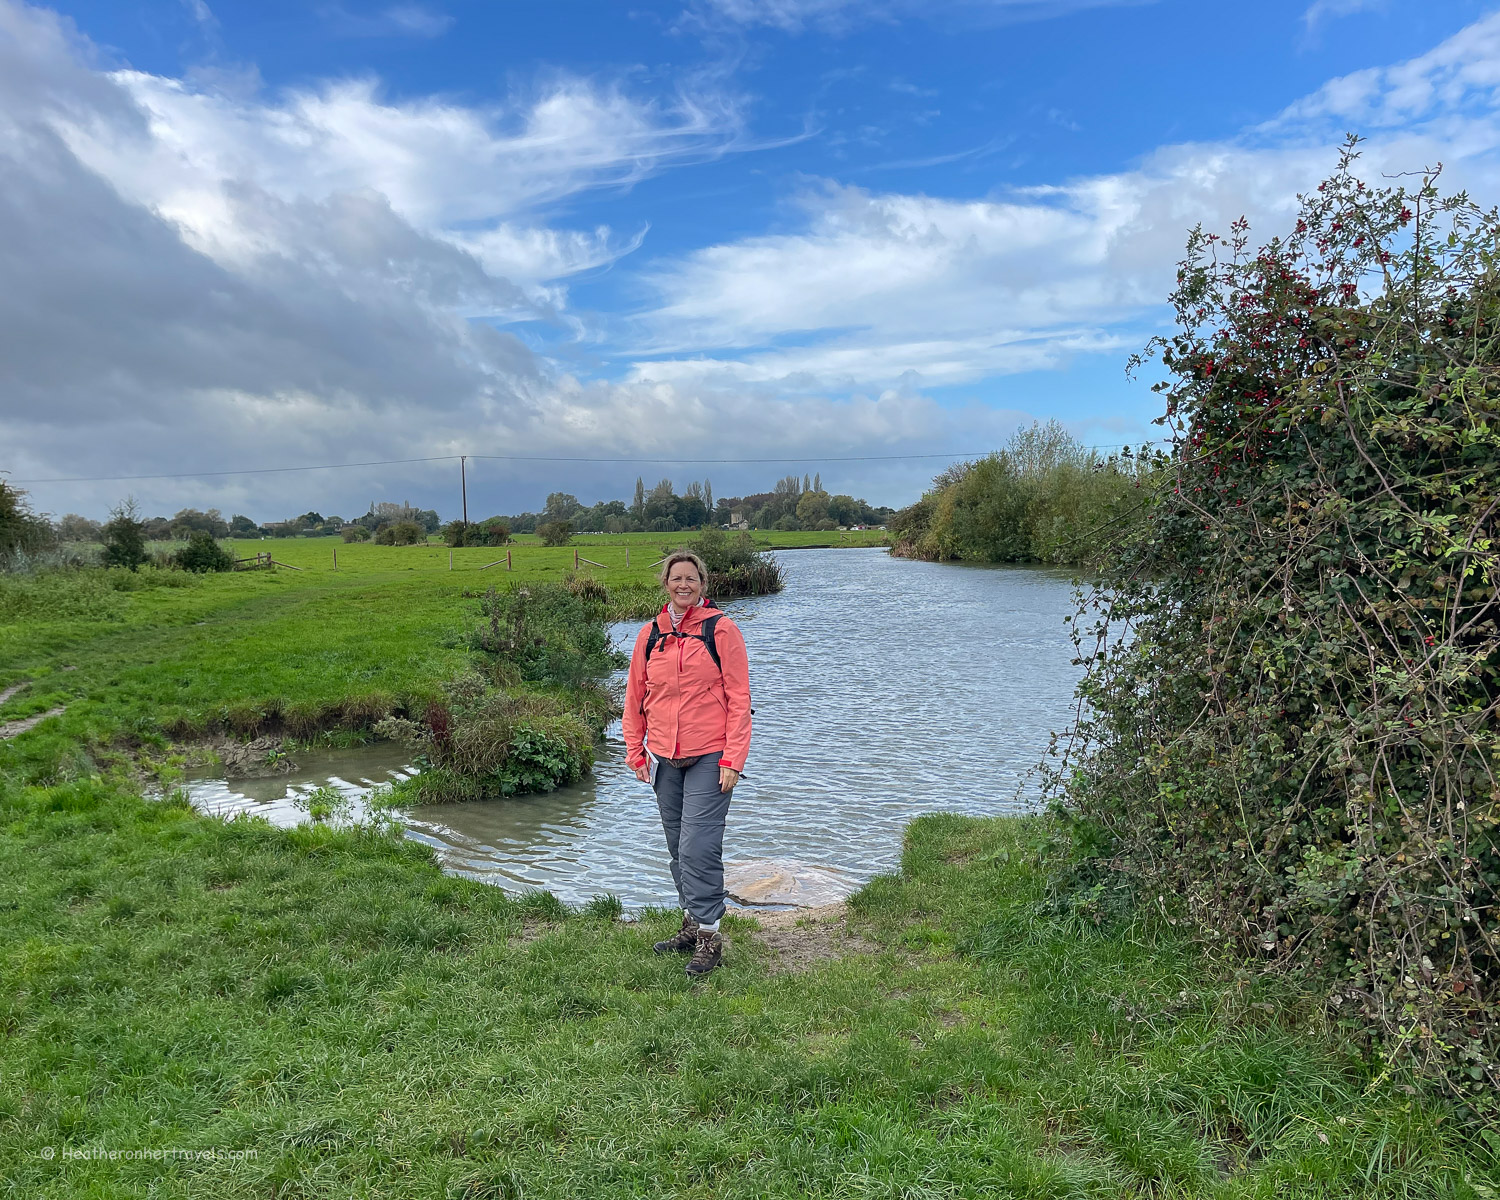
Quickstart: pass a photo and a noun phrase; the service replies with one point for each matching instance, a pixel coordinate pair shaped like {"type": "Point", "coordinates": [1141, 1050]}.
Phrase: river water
{"type": "Point", "coordinates": [883, 688]}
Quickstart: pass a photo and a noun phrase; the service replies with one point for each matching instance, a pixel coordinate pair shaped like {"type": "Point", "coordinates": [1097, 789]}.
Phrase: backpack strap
{"type": "Point", "coordinates": [653, 639]}
{"type": "Point", "coordinates": [706, 635]}
{"type": "Point", "coordinates": [708, 630]}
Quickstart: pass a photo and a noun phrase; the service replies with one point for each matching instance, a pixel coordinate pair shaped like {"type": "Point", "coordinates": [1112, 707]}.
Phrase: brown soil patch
{"type": "Point", "coordinates": [802, 938]}
{"type": "Point", "coordinates": [11, 728]}
{"type": "Point", "coordinates": [248, 760]}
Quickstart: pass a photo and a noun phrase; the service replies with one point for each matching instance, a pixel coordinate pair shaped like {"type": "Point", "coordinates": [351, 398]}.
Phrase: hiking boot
{"type": "Point", "coordinates": [681, 942]}
{"type": "Point", "coordinates": [706, 954]}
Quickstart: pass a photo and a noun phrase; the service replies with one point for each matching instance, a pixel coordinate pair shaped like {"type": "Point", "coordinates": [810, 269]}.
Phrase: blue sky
{"type": "Point", "coordinates": [275, 234]}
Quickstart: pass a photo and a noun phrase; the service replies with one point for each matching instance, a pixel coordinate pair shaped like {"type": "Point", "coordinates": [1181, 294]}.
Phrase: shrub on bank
{"type": "Point", "coordinates": [22, 532]}
{"type": "Point", "coordinates": [1299, 738]}
{"type": "Point", "coordinates": [736, 566]}
{"type": "Point", "coordinates": [529, 721]}
{"type": "Point", "coordinates": [1043, 498]}
{"type": "Point", "coordinates": [483, 741]}
{"type": "Point", "coordinates": [203, 554]}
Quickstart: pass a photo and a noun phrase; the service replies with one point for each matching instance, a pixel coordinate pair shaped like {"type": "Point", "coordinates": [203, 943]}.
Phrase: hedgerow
{"type": "Point", "coordinates": [1289, 720]}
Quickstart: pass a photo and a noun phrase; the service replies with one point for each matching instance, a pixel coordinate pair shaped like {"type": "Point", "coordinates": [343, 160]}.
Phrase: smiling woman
{"type": "Point", "coordinates": [687, 732]}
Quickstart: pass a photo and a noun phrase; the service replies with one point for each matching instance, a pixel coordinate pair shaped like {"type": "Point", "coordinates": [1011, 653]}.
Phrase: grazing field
{"type": "Point", "coordinates": [156, 654]}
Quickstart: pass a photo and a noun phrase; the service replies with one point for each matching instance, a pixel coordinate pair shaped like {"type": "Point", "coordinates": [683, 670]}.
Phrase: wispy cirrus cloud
{"type": "Point", "coordinates": [1321, 11]}
{"type": "Point", "coordinates": [398, 20]}
{"type": "Point", "coordinates": [839, 16]}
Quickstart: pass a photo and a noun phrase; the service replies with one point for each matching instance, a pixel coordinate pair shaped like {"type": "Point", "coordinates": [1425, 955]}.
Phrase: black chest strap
{"type": "Point", "coordinates": [705, 635]}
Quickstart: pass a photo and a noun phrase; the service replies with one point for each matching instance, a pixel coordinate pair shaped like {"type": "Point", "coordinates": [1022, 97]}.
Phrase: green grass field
{"type": "Point", "coordinates": [367, 1026]}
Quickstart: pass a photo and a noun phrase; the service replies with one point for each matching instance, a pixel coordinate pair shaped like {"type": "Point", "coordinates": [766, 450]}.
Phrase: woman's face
{"type": "Point", "coordinates": [684, 588]}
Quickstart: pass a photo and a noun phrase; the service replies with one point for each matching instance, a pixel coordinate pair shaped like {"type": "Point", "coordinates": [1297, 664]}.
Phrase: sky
{"type": "Point", "coordinates": [686, 239]}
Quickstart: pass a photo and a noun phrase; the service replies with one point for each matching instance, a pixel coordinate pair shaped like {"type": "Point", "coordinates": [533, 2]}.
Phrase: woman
{"type": "Point", "coordinates": [688, 700]}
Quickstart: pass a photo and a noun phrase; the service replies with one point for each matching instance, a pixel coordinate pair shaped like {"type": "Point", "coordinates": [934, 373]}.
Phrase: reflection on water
{"type": "Point", "coordinates": [883, 689]}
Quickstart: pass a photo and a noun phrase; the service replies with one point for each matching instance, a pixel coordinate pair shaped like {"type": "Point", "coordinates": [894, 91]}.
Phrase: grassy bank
{"type": "Point", "coordinates": [367, 1026]}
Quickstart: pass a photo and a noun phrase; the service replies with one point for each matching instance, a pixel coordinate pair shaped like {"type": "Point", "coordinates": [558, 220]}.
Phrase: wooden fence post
{"type": "Point", "coordinates": [575, 558]}
{"type": "Point", "coordinates": [507, 560]}
{"type": "Point", "coordinates": [450, 560]}
{"type": "Point", "coordinates": [627, 556]}
{"type": "Point", "coordinates": [335, 558]}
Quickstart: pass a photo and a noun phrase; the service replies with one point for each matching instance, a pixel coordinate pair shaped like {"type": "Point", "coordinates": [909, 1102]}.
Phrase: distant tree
{"type": "Point", "coordinates": [844, 510]}
{"type": "Point", "coordinates": [496, 531]}
{"type": "Point", "coordinates": [817, 482]}
{"type": "Point", "coordinates": [189, 519]}
{"type": "Point", "coordinates": [807, 483]}
{"type": "Point", "coordinates": [242, 526]}
{"type": "Point", "coordinates": [638, 509]}
{"type": "Point", "coordinates": [787, 524]}
{"type": "Point", "coordinates": [125, 536]}
{"type": "Point", "coordinates": [661, 505]}
{"type": "Point", "coordinates": [708, 495]}
{"type": "Point", "coordinates": [73, 528]}
{"type": "Point", "coordinates": [400, 533]}
{"type": "Point", "coordinates": [555, 533]}
{"type": "Point", "coordinates": [561, 506]}
{"type": "Point", "coordinates": [158, 529]}
{"type": "Point", "coordinates": [825, 525]}
{"type": "Point", "coordinates": [203, 554]}
{"type": "Point", "coordinates": [355, 533]}
{"type": "Point", "coordinates": [812, 508]}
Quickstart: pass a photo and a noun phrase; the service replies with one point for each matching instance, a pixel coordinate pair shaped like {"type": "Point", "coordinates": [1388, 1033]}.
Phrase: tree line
{"type": "Point", "coordinates": [793, 503]}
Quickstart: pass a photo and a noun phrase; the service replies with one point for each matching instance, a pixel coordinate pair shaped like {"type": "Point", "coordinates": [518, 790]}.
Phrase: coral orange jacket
{"type": "Point", "coordinates": [681, 704]}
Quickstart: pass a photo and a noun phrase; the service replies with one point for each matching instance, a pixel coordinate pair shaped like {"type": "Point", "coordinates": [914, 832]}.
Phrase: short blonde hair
{"type": "Point", "coordinates": [682, 556]}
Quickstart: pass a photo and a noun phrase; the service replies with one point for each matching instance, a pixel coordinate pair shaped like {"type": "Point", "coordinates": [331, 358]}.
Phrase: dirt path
{"type": "Point", "coordinates": [7, 693]}
{"type": "Point", "coordinates": [801, 938]}
{"type": "Point", "coordinates": [10, 729]}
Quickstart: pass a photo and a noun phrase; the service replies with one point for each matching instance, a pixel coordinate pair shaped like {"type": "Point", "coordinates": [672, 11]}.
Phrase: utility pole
{"type": "Point", "coordinates": [463, 478]}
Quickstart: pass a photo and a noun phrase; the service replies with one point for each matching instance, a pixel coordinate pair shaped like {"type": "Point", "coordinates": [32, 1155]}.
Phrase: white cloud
{"type": "Point", "coordinates": [875, 287]}
{"type": "Point", "coordinates": [201, 276]}
{"type": "Point", "coordinates": [398, 20]}
{"type": "Point", "coordinates": [1320, 11]}
{"type": "Point", "coordinates": [837, 16]}
{"type": "Point", "coordinates": [1460, 76]}
{"type": "Point", "coordinates": [469, 174]}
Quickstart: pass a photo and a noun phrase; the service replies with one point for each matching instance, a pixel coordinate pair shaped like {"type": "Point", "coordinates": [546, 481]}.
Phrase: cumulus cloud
{"type": "Point", "coordinates": [200, 278]}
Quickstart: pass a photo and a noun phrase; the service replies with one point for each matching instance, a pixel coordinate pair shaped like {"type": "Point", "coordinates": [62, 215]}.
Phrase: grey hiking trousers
{"type": "Point", "coordinates": [692, 816]}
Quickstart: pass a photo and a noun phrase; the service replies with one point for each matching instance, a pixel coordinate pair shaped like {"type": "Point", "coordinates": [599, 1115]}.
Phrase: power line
{"type": "Point", "coordinates": [391, 462]}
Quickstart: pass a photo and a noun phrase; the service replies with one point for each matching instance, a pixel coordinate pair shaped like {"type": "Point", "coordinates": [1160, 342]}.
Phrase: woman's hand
{"type": "Point", "coordinates": [643, 772]}
{"type": "Point", "coordinates": [728, 777]}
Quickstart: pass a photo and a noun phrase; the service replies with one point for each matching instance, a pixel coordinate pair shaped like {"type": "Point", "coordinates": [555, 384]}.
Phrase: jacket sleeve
{"type": "Point", "coordinates": [730, 643]}
{"type": "Point", "coordinates": [634, 718]}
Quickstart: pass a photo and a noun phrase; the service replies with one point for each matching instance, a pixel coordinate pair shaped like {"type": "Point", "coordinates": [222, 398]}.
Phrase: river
{"type": "Point", "coordinates": [883, 688]}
